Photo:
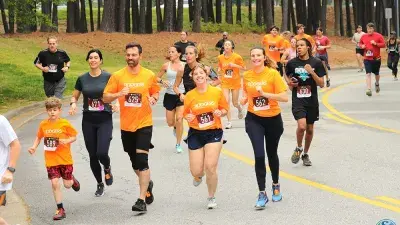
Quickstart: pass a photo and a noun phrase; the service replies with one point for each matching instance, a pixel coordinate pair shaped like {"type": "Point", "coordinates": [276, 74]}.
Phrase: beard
{"type": "Point", "coordinates": [132, 63]}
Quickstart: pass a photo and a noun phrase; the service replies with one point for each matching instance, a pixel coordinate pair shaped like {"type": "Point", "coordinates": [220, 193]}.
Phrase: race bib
{"type": "Point", "coordinates": [392, 49]}
{"type": "Point", "coordinates": [272, 48]}
{"type": "Point", "coordinates": [205, 119]}
{"type": "Point", "coordinates": [304, 91]}
{"type": "Point", "coordinates": [95, 105]}
{"type": "Point", "coordinates": [50, 144]}
{"type": "Point", "coordinates": [228, 73]}
{"type": "Point", "coordinates": [183, 57]}
{"type": "Point", "coordinates": [52, 68]}
{"type": "Point", "coordinates": [133, 100]}
{"type": "Point", "coordinates": [369, 53]}
{"type": "Point", "coordinates": [318, 43]}
{"type": "Point", "coordinates": [260, 103]}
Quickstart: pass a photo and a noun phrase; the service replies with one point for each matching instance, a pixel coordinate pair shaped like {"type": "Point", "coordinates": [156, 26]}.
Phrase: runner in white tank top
{"type": "Point", "coordinates": [289, 54]}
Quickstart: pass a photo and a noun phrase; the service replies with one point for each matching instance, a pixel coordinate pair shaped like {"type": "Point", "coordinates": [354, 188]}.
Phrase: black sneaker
{"type": "Point", "coordinates": [100, 190]}
{"type": "Point", "coordinates": [377, 88]}
{"type": "Point", "coordinates": [149, 194]}
{"type": "Point", "coordinates": [306, 160]}
{"type": "Point", "coordinates": [139, 206]}
{"type": "Point", "coordinates": [328, 83]}
{"type": "Point", "coordinates": [296, 155]}
{"type": "Point", "coordinates": [108, 177]}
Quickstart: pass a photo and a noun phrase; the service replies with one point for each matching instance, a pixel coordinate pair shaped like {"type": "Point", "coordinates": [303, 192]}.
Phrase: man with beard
{"type": "Point", "coordinates": [220, 44]}
{"type": "Point", "coordinates": [136, 89]}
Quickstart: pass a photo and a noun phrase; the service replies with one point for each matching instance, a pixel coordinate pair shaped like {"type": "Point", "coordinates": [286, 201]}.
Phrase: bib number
{"type": "Point", "coordinates": [183, 57]}
{"type": "Point", "coordinates": [228, 73]}
{"type": "Point", "coordinates": [50, 144]}
{"type": "Point", "coordinates": [133, 100]}
{"type": "Point", "coordinates": [52, 68]}
{"type": "Point", "coordinates": [205, 119]}
{"type": "Point", "coordinates": [95, 105]}
{"type": "Point", "coordinates": [392, 49]}
{"type": "Point", "coordinates": [272, 48]}
{"type": "Point", "coordinates": [304, 91]}
{"type": "Point", "coordinates": [369, 53]}
{"type": "Point", "coordinates": [260, 103]}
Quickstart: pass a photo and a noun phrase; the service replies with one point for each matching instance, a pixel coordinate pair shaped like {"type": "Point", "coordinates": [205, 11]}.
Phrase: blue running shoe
{"type": "Point", "coordinates": [262, 200]}
{"type": "Point", "coordinates": [276, 193]}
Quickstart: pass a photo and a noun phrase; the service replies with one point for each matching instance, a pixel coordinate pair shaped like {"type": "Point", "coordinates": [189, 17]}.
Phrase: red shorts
{"type": "Point", "coordinates": [64, 171]}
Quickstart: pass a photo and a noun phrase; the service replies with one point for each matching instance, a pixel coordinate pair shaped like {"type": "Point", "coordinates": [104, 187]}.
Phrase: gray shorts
{"type": "Point", "coordinates": [55, 89]}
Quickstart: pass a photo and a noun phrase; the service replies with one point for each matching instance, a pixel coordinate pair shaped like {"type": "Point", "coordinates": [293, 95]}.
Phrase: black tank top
{"type": "Point", "coordinates": [393, 48]}
{"type": "Point", "coordinates": [188, 82]}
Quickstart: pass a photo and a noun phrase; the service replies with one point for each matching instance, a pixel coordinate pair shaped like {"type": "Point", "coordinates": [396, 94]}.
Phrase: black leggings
{"type": "Point", "coordinates": [97, 132]}
{"type": "Point", "coordinates": [393, 60]}
{"type": "Point", "coordinates": [269, 129]}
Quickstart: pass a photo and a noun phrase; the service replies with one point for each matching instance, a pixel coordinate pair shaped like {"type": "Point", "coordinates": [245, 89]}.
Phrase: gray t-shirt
{"type": "Point", "coordinates": [7, 135]}
{"type": "Point", "coordinates": [357, 37]}
{"type": "Point", "coordinates": [92, 90]}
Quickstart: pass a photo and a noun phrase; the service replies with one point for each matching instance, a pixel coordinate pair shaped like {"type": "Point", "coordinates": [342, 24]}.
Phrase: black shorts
{"type": "Point", "coordinates": [310, 113]}
{"type": "Point", "coordinates": [360, 51]}
{"type": "Point", "coordinates": [372, 66]}
{"type": "Point", "coordinates": [171, 102]}
{"type": "Point", "coordinates": [140, 139]}
{"type": "Point", "coordinates": [199, 138]}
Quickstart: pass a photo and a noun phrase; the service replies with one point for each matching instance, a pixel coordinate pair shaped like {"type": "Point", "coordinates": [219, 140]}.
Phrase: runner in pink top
{"type": "Point", "coordinates": [322, 43]}
{"type": "Point", "coordinates": [288, 54]}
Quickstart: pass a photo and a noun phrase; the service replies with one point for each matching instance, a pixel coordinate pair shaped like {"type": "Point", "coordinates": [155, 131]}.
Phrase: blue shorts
{"type": "Point", "coordinates": [372, 66]}
{"type": "Point", "coordinates": [199, 138]}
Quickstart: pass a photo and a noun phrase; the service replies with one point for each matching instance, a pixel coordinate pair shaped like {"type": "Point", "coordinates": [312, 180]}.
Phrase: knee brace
{"type": "Point", "coordinates": [141, 162]}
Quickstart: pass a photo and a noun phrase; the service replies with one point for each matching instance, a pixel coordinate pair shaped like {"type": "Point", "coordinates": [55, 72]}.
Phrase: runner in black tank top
{"type": "Point", "coordinates": [393, 53]}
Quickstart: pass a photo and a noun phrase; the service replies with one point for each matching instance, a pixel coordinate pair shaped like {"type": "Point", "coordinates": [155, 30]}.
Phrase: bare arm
{"type": "Point", "coordinates": [15, 151]}
{"type": "Point", "coordinates": [110, 97]}
{"type": "Point", "coordinates": [35, 145]}
{"type": "Point", "coordinates": [285, 56]}
{"type": "Point", "coordinates": [178, 81]}
{"type": "Point", "coordinates": [281, 97]}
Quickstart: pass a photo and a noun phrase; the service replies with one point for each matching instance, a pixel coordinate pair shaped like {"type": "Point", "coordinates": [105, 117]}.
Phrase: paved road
{"type": "Point", "coordinates": [354, 178]}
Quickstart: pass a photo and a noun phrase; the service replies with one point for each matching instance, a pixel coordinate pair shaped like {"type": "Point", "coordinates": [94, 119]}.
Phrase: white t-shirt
{"type": "Point", "coordinates": [7, 135]}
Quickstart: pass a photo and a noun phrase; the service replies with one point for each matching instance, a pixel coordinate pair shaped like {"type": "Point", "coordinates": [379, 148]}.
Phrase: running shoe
{"type": "Point", "coordinates": [174, 131]}
{"type": "Point", "coordinates": [100, 190]}
{"type": "Point", "coordinates": [149, 194]}
{"type": "Point", "coordinates": [240, 113]}
{"type": "Point", "coordinates": [361, 70]}
{"type": "Point", "coordinates": [276, 193]}
{"type": "Point", "coordinates": [306, 160]}
{"type": "Point", "coordinates": [228, 126]}
{"type": "Point", "coordinates": [262, 200]}
{"type": "Point", "coordinates": [139, 206]}
{"type": "Point", "coordinates": [377, 88]}
{"type": "Point", "coordinates": [76, 185]}
{"type": "Point", "coordinates": [60, 214]}
{"type": "Point", "coordinates": [197, 181]}
{"type": "Point", "coordinates": [108, 177]}
{"type": "Point", "coordinates": [328, 83]}
{"type": "Point", "coordinates": [212, 204]}
{"type": "Point", "coordinates": [178, 148]}
{"type": "Point", "coordinates": [395, 79]}
{"type": "Point", "coordinates": [296, 155]}
{"type": "Point", "coordinates": [369, 92]}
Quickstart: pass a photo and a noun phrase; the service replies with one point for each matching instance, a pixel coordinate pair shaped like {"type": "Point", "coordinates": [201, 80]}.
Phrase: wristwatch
{"type": "Point", "coordinates": [11, 169]}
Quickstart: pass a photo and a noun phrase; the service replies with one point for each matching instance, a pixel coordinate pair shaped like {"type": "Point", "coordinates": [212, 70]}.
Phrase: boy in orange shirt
{"type": "Point", "coordinates": [273, 44]}
{"type": "Point", "coordinates": [58, 135]}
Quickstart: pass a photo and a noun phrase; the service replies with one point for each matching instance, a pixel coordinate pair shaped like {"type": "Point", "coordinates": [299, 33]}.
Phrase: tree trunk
{"type": "Point", "coordinates": [11, 15]}
{"type": "Point", "coordinates": [46, 13]}
{"type": "Point", "coordinates": [197, 16]}
{"type": "Point", "coordinates": [83, 23]}
{"type": "Point", "coordinates": [301, 11]}
{"type": "Point", "coordinates": [349, 30]}
{"type": "Point", "coordinates": [179, 16]}
{"type": "Point", "coordinates": [337, 17]}
{"type": "Point", "coordinates": [273, 11]}
{"type": "Point", "coordinates": [135, 16]}
{"type": "Point", "coordinates": [191, 10]}
{"type": "Point", "coordinates": [355, 11]}
{"type": "Point", "coordinates": [174, 12]}
{"type": "Point", "coordinates": [323, 15]}
{"type": "Point", "coordinates": [293, 16]}
{"type": "Point", "coordinates": [341, 18]}
{"type": "Point", "coordinates": [91, 15]}
{"type": "Point", "coordinates": [70, 17]}
{"type": "Point", "coordinates": [4, 17]}
{"type": "Point", "coordinates": [268, 19]}
{"type": "Point", "coordinates": [210, 8]}
{"type": "Point", "coordinates": [32, 9]}
{"type": "Point", "coordinates": [142, 17]}
{"type": "Point", "coordinates": [168, 16]}
{"type": "Point", "coordinates": [109, 17]}
{"type": "Point", "coordinates": [128, 16]}
{"type": "Point", "coordinates": [228, 11]}
{"type": "Point", "coordinates": [218, 11]}
{"type": "Point", "coordinates": [121, 16]}
{"type": "Point", "coordinates": [98, 14]}
{"type": "Point", "coordinates": [149, 17]}
{"type": "Point", "coordinates": [204, 10]}
{"type": "Point", "coordinates": [159, 16]}
{"type": "Point", "coordinates": [285, 15]}
{"type": "Point", "coordinates": [26, 17]}
{"type": "Point", "coordinates": [238, 12]}
{"type": "Point", "coordinates": [54, 19]}
{"type": "Point", "coordinates": [250, 11]}
{"type": "Point", "coordinates": [77, 16]}
{"type": "Point", "coordinates": [258, 12]}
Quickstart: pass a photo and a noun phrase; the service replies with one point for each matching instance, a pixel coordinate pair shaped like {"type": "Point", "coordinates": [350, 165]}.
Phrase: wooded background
{"type": "Point", "coordinates": [136, 16]}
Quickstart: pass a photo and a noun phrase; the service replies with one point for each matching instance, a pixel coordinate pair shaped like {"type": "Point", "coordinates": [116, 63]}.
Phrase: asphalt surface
{"type": "Point", "coordinates": [354, 178]}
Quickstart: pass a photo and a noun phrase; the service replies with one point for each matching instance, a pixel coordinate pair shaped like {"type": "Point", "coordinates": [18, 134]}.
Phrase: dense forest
{"type": "Point", "coordinates": [136, 16]}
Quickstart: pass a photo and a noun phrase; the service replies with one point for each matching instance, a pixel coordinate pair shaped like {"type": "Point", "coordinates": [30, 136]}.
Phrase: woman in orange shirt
{"type": "Point", "coordinates": [203, 108]}
{"type": "Point", "coordinates": [263, 88]}
{"type": "Point", "coordinates": [229, 66]}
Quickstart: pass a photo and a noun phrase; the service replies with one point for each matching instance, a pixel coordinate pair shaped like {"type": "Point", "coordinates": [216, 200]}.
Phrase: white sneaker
{"type": "Point", "coordinates": [395, 79]}
{"type": "Point", "coordinates": [197, 181]}
{"type": "Point", "coordinates": [240, 113]}
{"type": "Point", "coordinates": [178, 149]}
{"type": "Point", "coordinates": [212, 204]}
{"type": "Point", "coordinates": [228, 126]}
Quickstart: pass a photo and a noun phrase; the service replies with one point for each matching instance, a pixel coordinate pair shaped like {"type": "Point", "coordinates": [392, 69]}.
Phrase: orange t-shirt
{"type": "Point", "coordinates": [286, 44]}
{"type": "Point", "coordinates": [202, 105]}
{"type": "Point", "coordinates": [135, 109]}
{"type": "Point", "coordinates": [56, 154]}
{"type": "Point", "coordinates": [271, 82]}
{"type": "Point", "coordinates": [270, 42]}
{"type": "Point", "coordinates": [306, 36]}
{"type": "Point", "coordinates": [230, 77]}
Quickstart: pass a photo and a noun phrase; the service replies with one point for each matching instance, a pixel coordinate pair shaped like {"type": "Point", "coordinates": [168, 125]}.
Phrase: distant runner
{"type": "Point", "coordinates": [392, 47]}
{"type": "Point", "coordinates": [183, 43]}
{"type": "Point", "coordinates": [359, 51]}
{"type": "Point", "coordinates": [322, 44]}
